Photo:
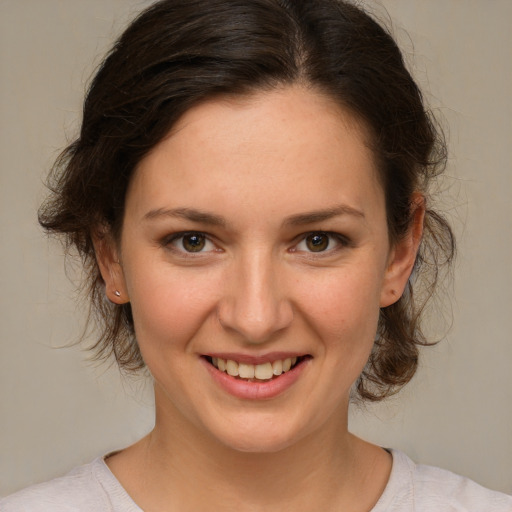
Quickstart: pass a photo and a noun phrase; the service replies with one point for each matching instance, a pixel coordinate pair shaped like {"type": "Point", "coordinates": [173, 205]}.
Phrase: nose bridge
{"type": "Point", "coordinates": [255, 305]}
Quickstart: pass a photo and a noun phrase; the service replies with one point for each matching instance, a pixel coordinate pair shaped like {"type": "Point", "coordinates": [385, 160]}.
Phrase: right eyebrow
{"type": "Point", "coordinates": [190, 214]}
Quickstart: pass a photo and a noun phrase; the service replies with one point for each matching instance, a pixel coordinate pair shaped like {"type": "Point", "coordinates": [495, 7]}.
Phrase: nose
{"type": "Point", "coordinates": [254, 302]}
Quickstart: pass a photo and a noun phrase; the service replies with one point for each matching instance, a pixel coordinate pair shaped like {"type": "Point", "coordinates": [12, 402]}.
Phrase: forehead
{"type": "Point", "coordinates": [283, 115]}
{"type": "Point", "coordinates": [287, 146]}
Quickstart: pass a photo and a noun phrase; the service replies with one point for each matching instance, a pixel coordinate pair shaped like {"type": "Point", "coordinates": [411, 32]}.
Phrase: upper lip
{"type": "Point", "coordinates": [252, 359]}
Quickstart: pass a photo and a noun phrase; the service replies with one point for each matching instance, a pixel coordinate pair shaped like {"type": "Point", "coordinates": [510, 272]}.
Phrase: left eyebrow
{"type": "Point", "coordinates": [322, 215]}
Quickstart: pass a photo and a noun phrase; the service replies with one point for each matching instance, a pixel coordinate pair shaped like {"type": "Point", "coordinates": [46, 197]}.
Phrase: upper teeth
{"type": "Point", "coordinates": [262, 371]}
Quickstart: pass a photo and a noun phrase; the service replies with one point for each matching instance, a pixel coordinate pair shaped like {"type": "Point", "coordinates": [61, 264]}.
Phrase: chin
{"type": "Point", "coordinates": [266, 435]}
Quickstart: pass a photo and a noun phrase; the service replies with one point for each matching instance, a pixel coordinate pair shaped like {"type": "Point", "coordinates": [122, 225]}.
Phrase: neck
{"type": "Point", "coordinates": [267, 478]}
{"type": "Point", "coordinates": [179, 464]}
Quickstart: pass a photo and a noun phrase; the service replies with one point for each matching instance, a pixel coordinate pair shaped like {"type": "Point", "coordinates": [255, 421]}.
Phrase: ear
{"type": "Point", "coordinates": [107, 256]}
{"type": "Point", "coordinates": [403, 255]}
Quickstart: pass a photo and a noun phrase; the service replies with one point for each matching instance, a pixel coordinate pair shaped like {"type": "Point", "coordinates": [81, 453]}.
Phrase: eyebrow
{"type": "Point", "coordinates": [202, 217]}
{"type": "Point", "coordinates": [322, 215]}
{"type": "Point", "coordinates": [190, 214]}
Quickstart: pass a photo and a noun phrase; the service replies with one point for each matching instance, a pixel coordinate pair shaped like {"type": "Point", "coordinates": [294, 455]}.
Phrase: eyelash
{"type": "Point", "coordinates": [171, 242]}
{"type": "Point", "coordinates": [341, 242]}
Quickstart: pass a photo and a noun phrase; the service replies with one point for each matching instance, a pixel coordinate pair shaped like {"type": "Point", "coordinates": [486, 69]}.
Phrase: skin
{"type": "Point", "coordinates": [258, 166]}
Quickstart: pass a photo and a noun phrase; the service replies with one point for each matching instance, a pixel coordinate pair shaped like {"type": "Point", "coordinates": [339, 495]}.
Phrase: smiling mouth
{"type": "Point", "coordinates": [256, 372]}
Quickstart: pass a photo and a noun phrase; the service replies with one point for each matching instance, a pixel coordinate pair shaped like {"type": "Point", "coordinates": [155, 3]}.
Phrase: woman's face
{"type": "Point", "coordinates": [256, 233]}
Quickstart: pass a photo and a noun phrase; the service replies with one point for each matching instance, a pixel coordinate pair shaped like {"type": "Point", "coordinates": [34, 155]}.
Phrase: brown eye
{"type": "Point", "coordinates": [194, 242]}
{"type": "Point", "coordinates": [191, 242]}
{"type": "Point", "coordinates": [317, 242]}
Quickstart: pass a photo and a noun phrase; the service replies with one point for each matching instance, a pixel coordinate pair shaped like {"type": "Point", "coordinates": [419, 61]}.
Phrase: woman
{"type": "Point", "coordinates": [249, 193]}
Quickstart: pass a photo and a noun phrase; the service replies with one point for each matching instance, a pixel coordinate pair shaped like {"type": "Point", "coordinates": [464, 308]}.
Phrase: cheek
{"type": "Point", "coordinates": [344, 306]}
{"type": "Point", "coordinates": [169, 306]}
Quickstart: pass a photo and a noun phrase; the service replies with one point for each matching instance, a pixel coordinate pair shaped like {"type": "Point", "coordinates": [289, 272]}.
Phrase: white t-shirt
{"type": "Point", "coordinates": [411, 488]}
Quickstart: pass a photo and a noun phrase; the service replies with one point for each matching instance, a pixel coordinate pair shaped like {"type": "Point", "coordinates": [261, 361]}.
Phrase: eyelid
{"type": "Point", "coordinates": [342, 241]}
{"type": "Point", "coordinates": [169, 242]}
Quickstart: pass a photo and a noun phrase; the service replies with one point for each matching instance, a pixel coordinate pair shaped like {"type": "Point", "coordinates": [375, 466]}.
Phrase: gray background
{"type": "Point", "coordinates": [57, 410]}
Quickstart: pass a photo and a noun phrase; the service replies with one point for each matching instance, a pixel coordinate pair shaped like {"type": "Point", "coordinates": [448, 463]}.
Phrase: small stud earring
{"type": "Point", "coordinates": [117, 293]}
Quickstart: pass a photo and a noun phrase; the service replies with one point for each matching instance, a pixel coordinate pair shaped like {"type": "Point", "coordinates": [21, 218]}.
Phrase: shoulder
{"type": "Point", "coordinates": [74, 490]}
{"type": "Point", "coordinates": [86, 488]}
{"type": "Point", "coordinates": [78, 490]}
{"type": "Point", "coordinates": [419, 487]}
{"type": "Point", "coordinates": [438, 486]}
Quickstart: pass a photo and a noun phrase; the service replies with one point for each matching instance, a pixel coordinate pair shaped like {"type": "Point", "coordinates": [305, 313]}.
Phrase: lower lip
{"type": "Point", "coordinates": [256, 390]}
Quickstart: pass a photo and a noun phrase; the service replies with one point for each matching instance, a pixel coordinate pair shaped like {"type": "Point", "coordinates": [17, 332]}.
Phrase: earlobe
{"type": "Point", "coordinates": [111, 269]}
{"type": "Point", "coordinates": [403, 255]}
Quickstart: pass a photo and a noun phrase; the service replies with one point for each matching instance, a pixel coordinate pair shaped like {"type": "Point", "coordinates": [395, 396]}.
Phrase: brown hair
{"type": "Point", "coordinates": [178, 53]}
